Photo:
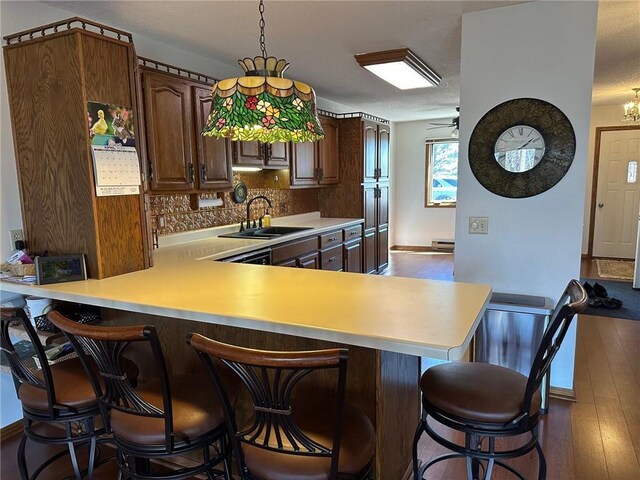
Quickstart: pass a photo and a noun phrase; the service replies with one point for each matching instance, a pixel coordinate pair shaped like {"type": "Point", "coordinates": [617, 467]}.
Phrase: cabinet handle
{"type": "Point", "coordinates": [332, 239]}
{"type": "Point", "coordinates": [203, 173]}
{"type": "Point", "coordinates": [351, 234]}
{"type": "Point", "coordinates": [321, 174]}
{"type": "Point", "coordinates": [333, 259]}
{"type": "Point", "coordinates": [191, 173]}
{"type": "Point", "coordinates": [150, 170]}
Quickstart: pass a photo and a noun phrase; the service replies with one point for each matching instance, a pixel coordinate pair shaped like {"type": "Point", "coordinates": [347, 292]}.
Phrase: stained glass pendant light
{"type": "Point", "coordinates": [262, 105]}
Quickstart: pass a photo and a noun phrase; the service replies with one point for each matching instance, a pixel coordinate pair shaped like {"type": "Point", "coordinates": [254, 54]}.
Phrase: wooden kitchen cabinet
{"type": "Point", "coordinates": [261, 155]}
{"type": "Point", "coordinates": [214, 154]}
{"type": "Point", "coordinates": [51, 74]}
{"type": "Point", "coordinates": [179, 158]}
{"type": "Point", "coordinates": [167, 109]}
{"type": "Point", "coordinates": [376, 138]}
{"type": "Point", "coordinates": [353, 256]}
{"type": "Point", "coordinates": [335, 250]}
{"type": "Point", "coordinates": [363, 190]}
{"type": "Point", "coordinates": [317, 163]}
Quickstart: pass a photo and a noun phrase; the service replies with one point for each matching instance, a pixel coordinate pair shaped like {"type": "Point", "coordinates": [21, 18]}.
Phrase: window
{"type": "Point", "coordinates": [442, 173]}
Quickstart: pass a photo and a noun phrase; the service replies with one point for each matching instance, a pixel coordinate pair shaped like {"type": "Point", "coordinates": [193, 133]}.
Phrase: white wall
{"type": "Point", "coordinates": [603, 116]}
{"type": "Point", "coordinates": [414, 224]}
{"type": "Point", "coordinates": [542, 50]}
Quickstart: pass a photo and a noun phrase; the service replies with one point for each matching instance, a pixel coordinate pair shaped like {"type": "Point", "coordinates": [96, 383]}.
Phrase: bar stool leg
{"type": "Point", "coordinates": [74, 460]}
{"type": "Point", "coordinates": [414, 449]}
{"type": "Point", "coordinates": [22, 460]}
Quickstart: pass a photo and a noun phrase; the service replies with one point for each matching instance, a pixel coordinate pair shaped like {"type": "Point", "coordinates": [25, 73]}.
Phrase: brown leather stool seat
{"type": "Point", "coordinates": [357, 444]}
{"type": "Point", "coordinates": [60, 395]}
{"type": "Point", "coordinates": [196, 412]}
{"type": "Point", "coordinates": [168, 417]}
{"type": "Point", "coordinates": [485, 402]}
{"type": "Point", "coordinates": [477, 391]}
{"type": "Point", "coordinates": [73, 388]}
{"type": "Point", "coordinates": [291, 434]}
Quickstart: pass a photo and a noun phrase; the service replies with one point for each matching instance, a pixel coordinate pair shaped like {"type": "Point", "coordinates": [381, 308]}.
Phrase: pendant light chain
{"type": "Point", "coordinates": [261, 23]}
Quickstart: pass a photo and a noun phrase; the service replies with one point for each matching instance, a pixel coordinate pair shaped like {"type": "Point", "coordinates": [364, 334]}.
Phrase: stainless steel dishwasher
{"type": "Point", "coordinates": [510, 333]}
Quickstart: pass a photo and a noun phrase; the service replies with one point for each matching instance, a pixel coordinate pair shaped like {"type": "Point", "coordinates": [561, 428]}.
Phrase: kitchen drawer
{"type": "Point", "coordinates": [294, 249]}
{"type": "Point", "coordinates": [353, 233]}
{"type": "Point", "coordinates": [330, 239]}
{"type": "Point", "coordinates": [332, 258]}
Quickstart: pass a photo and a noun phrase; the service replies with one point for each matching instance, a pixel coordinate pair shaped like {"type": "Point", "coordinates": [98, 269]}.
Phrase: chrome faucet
{"type": "Point", "coordinates": [249, 206]}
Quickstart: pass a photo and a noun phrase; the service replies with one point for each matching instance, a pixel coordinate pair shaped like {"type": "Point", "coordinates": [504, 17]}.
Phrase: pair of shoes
{"type": "Point", "coordinates": [599, 297]}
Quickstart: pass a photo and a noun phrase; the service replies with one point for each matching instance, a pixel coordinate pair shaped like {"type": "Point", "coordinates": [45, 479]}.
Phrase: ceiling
{"type": "Point", "coordinates": [319, 38]}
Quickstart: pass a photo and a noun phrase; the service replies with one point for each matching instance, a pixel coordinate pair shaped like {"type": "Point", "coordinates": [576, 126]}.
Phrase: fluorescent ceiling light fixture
{"type": "Point", "coordinates": [400, 67]}
{"type": "Point", "coordinates": [246, 169]}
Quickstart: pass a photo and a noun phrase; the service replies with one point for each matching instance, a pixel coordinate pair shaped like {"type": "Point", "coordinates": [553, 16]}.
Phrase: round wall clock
{"type": "Point", "coordinates": [521, 148]}
{"type": "Point", "coordinates": [239, 192]}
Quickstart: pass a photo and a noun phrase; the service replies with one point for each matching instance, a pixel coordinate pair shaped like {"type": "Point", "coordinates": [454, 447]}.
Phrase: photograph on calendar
{"type": "Point", "coordinates": [110, 125]}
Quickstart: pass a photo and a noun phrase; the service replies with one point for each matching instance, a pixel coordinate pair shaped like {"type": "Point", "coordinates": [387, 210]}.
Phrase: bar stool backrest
{"type": "Point", "coordinates": [270, 378]}
{"type": "Point", "coordinates": [572, 301]}
{"type": "Point", "coordinates": [20, 370]}
{"type": "Point", "coordinates": [105, 346]}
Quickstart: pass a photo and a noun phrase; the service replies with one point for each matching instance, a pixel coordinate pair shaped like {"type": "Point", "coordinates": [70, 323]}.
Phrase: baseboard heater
{"type": "Point", "coordinates": [444, 245]}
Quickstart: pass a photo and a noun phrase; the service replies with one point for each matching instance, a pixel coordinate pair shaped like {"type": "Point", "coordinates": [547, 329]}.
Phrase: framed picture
{"type": "Point", "coordinates": [64, 268]}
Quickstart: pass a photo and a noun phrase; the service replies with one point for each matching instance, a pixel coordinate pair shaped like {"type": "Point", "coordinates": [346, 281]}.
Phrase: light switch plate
{"type": "Point", "coordinates": [479, 225]}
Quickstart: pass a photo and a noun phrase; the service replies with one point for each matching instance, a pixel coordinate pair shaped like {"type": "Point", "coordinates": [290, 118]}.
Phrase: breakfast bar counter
{"type": "Point", "coordinates": [386, 322]}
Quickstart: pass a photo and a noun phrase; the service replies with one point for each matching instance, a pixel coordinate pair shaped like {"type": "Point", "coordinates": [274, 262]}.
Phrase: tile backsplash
{"type": "Point", "coordinates": [175, 213]}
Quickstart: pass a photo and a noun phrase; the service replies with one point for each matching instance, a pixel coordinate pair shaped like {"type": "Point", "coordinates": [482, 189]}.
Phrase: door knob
{"type": "Point", "coordinates": [600, 205]}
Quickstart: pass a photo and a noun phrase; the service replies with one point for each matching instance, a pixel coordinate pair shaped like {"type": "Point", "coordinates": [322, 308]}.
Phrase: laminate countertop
{"type": "Point", "coordinates": [412, 316]}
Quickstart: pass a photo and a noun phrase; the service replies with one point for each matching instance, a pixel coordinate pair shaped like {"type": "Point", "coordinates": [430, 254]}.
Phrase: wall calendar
{"type": "Point", "coordinates": [116, 167]}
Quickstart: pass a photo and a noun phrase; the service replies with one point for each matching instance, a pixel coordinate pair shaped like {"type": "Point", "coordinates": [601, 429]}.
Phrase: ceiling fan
{"type": "Point", "coordinates": [454, 123]}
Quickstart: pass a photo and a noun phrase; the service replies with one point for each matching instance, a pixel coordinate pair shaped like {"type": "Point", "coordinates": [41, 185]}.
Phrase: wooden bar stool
{"type": "Point", "coordinates": [289, 436]}
{"type": "Point", "coordinates": [165, 418]}
{"type": "Point", "coordinates": [59, 394]}
{"type": "Point", "coordinates": [486, 401]}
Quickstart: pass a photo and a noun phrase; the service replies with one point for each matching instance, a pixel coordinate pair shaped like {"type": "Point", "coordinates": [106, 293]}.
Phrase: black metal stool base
{"type": "Point", "coordinates": [486, 470]}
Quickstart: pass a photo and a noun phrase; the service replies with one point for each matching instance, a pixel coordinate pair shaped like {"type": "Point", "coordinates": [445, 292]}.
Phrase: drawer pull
{"type": "Point", "coordinates": [332, 239]}
{"type": "Point", "coordinates": [333, 259]}
{"type": "Point", "coordinates": [352, 234]}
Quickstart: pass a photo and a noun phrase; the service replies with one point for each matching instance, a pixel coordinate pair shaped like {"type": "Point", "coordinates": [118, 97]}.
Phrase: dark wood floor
{"type": "Point", "coordinates": [595, 438]}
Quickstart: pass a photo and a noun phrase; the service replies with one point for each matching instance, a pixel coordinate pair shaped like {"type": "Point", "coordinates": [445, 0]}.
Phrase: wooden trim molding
{"type": "Point", "coordinates": [412, 248]}
{"type": "Point", "coordinates": [563, 393]}
{"type": "Point", "coordinates": [10, 430]}
{"type": "Point", "coordinates": [594, 181]}
{"type": "Point", "coordinates": [68, 24]}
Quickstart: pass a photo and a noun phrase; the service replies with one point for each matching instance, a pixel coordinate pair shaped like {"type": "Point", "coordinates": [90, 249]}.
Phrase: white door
{"type": "Point", "coordinates": [618, 194]}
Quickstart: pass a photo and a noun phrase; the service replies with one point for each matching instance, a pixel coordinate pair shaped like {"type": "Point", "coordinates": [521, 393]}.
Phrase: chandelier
{"type": "Point", "coordinates": [262, 105]}
{"type": "Point", "coordinates": [632, 109]}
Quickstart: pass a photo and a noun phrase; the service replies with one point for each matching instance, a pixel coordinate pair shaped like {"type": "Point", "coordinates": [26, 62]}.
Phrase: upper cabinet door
{"type": "Point", "coordinates": [249, 154]}
{"type": "Point", "coordinates": [214, 154]}
{"type": "Point", "coordinates": [168, 125]}
{"type": "Point", "coordinates": [370, 153]}
{"type": "Point", "coordinates": [384, 134]}
{"type": "Point", "coordinates": [328, 152]}
{"type": "Point", "coordinates": [303, 164]}
{"type": "Point", "coordinates": [277, 155]}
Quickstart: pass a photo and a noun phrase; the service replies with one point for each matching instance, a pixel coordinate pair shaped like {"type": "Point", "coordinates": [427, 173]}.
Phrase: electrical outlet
{"type": "Point", "coordinates": [479, 225]}
{"type": "Point", "coordinates": [15, 236]}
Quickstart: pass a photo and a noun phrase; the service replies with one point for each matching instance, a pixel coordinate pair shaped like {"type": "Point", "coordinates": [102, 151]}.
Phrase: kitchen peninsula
{"type": "Point", "coordinates": [386, 322]}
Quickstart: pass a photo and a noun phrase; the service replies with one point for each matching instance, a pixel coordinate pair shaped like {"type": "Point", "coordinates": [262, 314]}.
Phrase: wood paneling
{"type": "Point", "coordinates": [398, 408]}
{"type": "Point", "coordinates": [49, 82]}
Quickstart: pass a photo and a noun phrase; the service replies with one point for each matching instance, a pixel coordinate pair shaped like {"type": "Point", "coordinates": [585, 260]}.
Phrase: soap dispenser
{"type": "Point", "coordinates": [266, 220]}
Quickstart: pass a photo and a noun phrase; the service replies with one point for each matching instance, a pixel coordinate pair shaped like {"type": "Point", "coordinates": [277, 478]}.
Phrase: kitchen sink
{"type": "Point", "coordinates": [265, 233]}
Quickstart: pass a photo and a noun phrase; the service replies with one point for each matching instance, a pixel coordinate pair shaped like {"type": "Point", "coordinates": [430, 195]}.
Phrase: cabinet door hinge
{"type": "Point", "coordinates": [203, 173]}
{"type": "Point", "coordinates": [150, 170]}
{"type": "Point", "coordinates": [191, 173]}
